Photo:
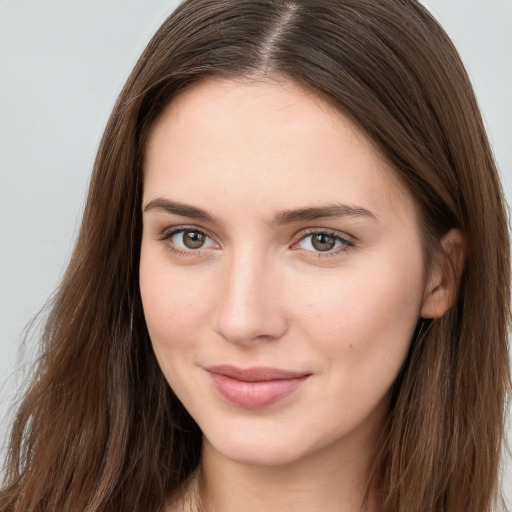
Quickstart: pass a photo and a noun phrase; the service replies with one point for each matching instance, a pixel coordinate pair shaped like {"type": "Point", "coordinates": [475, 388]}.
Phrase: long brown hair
{"type": "Point", "coordinates": [99, 428]}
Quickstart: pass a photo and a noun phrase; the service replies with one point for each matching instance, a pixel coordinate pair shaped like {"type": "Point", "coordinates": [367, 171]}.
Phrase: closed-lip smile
{"type": "Point", "coordinates": [254, 388]}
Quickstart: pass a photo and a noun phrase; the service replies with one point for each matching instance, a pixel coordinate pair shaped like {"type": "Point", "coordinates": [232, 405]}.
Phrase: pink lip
{"type": "Point", "coordinates": [254, 388]}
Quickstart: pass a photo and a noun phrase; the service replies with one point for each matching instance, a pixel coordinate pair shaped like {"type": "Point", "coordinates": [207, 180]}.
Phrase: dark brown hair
{"type": "Point", "coordinates": [99, 428]}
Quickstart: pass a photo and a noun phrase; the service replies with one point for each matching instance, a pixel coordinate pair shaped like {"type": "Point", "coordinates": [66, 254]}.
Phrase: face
{"type": "Point", "coordinates": [281, 271]}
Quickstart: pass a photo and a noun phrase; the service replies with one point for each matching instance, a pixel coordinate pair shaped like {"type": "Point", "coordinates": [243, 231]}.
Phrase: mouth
{"type": "Point", "coordinates": [254, 388]}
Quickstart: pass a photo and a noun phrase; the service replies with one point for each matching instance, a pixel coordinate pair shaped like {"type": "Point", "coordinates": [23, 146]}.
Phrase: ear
{"type": "Point", "coordinates": [445, 274]}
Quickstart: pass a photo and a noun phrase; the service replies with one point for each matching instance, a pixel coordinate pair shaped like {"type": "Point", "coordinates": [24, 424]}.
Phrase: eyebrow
{"type": "Point", "coordinates": [321, 212]}
{"type": "Point", "coordinates": [176, 208]}
{"type": "Point", "coordinates": [282, 217]}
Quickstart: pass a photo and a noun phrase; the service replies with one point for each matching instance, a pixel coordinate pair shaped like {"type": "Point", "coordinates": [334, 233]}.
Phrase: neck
{"type": "Point", "coordinates": [333, 480]}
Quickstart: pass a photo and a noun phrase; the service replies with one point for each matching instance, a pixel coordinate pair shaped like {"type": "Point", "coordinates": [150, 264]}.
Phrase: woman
{"type": "Point", "coordinates": [293, 231]}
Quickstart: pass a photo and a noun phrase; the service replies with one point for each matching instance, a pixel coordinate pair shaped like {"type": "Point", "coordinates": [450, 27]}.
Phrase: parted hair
{"type": "Point", "coordinates": [100, 430]}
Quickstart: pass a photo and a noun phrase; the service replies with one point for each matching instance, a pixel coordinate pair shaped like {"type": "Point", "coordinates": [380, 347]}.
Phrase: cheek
{"type": "Point", "coordinates": [176, 304]}
{"type": "Point", "coordinates": [366, 317]}
{"type": "Point", "coordinates": [176, 309]}
{"type": "Point", "coordinates": [361, 328]}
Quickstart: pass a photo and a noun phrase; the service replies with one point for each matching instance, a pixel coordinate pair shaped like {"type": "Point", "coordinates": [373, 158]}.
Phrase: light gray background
{"type": "Point", "coordinates": [62, 65]}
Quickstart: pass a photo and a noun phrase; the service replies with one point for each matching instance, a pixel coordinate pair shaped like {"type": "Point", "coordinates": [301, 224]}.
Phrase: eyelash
{"type": "Point", "coordinates": [167, 235]}
{"type": "Point", "coordinates": [346, 243]}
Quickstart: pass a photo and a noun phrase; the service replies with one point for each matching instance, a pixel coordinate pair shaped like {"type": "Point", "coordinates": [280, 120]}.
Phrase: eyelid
{"type": "Point", "coordinates": [168, 233]}
{"type": "Point", "coordinates": [347, 240]}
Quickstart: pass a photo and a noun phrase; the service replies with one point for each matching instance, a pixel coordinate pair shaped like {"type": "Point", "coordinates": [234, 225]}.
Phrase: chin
{"type": "Point", "coordinates": [255, 446]}
{"type": "Point", "coordinates": [258, 455]}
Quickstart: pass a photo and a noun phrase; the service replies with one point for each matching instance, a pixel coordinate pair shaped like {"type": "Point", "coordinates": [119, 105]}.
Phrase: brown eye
{"type": "Point", "coordinates": [193, 239]}
{"type": "Point", "coordinates": [319, 242]}
{"type": "Point", "coordinates": [188, 241]}
{"type": "Point", "coordinates": [323, 241]}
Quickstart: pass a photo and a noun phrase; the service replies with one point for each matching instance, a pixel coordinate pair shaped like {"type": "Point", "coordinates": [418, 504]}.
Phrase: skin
{"type": "Point", "coordinates": [259, 293]}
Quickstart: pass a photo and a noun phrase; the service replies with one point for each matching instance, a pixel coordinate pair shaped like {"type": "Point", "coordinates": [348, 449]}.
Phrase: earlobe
{"type": "Point", "coordinates": [445, 275]}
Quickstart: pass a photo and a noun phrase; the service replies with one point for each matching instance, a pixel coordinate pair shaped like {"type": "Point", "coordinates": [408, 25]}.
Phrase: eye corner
{"type": "Point", "coordinates": [195, 245]}
{"type": "Point", "coordinates": [328, 242]}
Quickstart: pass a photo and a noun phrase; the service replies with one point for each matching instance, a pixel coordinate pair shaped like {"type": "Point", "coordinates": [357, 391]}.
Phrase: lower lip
{"type": "Point", "coordinates": [255, 395]}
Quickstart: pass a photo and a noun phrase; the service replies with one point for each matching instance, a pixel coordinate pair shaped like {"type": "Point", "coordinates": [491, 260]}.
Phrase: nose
{"type": "Point", "coordinates": [249, 305]}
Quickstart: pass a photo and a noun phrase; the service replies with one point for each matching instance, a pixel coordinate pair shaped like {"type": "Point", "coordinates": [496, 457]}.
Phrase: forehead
{"type": "Point", "coordinates": [262, 144]}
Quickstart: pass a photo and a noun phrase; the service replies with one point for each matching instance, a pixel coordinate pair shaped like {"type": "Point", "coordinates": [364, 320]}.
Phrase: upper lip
{"type": "Point", "coordinates": [255, 374]}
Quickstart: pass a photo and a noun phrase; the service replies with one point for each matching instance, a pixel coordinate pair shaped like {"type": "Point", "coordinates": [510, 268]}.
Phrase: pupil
{"type": "Point", "coordinates": [193, 239]}
{"type": "Point", "coordinates": [323, 242]}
